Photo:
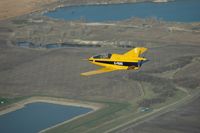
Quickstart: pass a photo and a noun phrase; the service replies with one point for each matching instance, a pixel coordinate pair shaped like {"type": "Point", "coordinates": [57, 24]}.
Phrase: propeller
{"type": "Point", "coordinates": [142, 62]}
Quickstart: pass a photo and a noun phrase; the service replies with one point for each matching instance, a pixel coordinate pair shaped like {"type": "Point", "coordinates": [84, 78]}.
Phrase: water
{"type": "Point", "coordinates": [27, 44]}
{"type": "Point", "coordinates": [179, 10]}
{"type": "Point", "coordinates": [35, 117]}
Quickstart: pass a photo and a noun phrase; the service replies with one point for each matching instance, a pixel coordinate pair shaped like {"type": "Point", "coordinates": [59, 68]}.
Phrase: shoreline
{"type": "Point", "coordinates": [67, 121]}
{"type": "Point", "coordinates": [51, 8]}
{"type": "Point", "coordinates": [52, 100]}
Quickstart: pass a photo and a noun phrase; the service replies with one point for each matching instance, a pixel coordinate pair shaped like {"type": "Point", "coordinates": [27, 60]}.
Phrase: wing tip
{"type": "Point", "coordinates": [84, 74]}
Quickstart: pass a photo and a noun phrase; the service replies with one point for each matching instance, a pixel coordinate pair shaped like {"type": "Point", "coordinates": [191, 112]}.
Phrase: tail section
{"type": "Point", "coordinates": [136, 52]}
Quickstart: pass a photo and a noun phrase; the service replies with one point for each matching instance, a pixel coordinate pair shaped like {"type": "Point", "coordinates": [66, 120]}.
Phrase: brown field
{"type": "Point", "coordinates": [56, 72]}
{"type": "Point", "coordinates": [13, 8]}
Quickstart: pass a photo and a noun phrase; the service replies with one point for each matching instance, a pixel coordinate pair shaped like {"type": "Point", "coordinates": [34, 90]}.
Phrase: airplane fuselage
{"type": "Point", "coordinates": [117, 61]}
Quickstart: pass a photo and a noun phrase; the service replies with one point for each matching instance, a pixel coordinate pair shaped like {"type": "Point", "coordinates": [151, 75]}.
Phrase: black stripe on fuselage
{"type": "Point", "coordinates": [119, 63]}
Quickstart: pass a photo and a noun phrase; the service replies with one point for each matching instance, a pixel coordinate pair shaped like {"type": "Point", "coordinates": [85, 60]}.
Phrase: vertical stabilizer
{"type": "Point", "coordinates": [135, 52]}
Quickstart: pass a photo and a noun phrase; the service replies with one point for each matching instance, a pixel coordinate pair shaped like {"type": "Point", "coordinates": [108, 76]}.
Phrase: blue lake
{"type": "Point", "coordinates": [178, 10]}
{"type": "Point", "coordinates": [35, 117]}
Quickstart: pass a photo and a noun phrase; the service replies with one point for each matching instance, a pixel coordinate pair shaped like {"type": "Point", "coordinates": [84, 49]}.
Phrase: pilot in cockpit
{"type": "Point", "coordinates": [103, 56]}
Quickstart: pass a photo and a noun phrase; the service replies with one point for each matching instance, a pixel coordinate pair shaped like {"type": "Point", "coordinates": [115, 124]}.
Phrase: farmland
{"type": "Point", "coordinates": [168, 80]}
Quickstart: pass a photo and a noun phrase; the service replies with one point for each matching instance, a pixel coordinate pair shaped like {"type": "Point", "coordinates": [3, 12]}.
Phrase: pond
{"type": "Point", "coordinates": [35, 117]}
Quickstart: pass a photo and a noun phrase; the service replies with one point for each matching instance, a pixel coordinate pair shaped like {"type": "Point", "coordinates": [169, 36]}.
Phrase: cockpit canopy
{"type": "Point", "coordinates": [103, 56]}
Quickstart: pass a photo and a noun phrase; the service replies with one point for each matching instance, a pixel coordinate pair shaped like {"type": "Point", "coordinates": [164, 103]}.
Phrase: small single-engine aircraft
{"type": "Point", "coordinates": [112, 62]}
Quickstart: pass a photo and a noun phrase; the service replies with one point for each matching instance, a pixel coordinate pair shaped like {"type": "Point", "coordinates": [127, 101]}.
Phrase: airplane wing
{"type": "Point", "coordinates": [99, 71]}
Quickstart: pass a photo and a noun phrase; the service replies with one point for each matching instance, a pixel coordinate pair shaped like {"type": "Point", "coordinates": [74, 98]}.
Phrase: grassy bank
{"type": "Point", "coordinates": [4, 102]}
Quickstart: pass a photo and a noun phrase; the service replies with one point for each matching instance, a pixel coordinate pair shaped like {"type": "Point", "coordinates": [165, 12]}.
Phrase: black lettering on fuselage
{"type": "Point", "coordinates": [119, 63]}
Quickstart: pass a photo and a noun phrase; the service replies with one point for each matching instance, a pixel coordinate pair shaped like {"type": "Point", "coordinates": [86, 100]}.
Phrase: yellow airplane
{"type": "Point", "coordinates": [112, 62]}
